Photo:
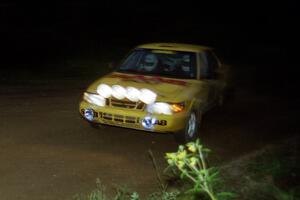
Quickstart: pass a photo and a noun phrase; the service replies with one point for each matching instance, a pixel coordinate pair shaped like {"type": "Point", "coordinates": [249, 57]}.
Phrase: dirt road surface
{"type": "Point", "coordinates": [48, 152]}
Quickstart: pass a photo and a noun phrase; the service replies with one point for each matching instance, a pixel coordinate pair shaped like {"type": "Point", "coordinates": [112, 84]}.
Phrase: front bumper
{"type": "Point", "coordinates": [131, 118]}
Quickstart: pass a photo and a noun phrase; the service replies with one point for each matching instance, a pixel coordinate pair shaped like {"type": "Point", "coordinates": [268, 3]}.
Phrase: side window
{"type": "Point", "coordinates": [203, 65]}
{"type": "Point", "coordinates": [211, 66]}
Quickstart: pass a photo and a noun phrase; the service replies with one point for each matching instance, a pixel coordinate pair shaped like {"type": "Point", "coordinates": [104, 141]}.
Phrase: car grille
{"type": "Point", "coordinates": [125, 104]}
{"type": "Point", "coordinates": [119, 118]}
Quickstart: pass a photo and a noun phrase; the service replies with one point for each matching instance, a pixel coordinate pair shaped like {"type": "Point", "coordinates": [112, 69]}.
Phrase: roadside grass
{"type": "Point", "coordinates": [123, 194]}
{"type": "Point", "coordinates": [270, 173]}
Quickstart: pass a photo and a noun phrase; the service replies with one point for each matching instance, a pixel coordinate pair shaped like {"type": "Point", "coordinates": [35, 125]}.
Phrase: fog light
{"type": "Point", "coordinates": [89, 114]}
{"type": "Point", "coordinates": [149, 122]}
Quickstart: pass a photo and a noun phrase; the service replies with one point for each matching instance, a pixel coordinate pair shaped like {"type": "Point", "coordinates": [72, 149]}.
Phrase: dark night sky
{"type": "Point", "coordinates": [49, 30]}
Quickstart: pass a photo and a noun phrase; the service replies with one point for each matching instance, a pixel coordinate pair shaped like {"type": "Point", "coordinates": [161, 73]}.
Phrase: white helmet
{"type": "Point", "coordinates": [150, 62]}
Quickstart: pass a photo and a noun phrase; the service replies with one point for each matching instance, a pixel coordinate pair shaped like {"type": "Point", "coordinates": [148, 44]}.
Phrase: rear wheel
{"type": "Point", "coordinates": [191, 130]}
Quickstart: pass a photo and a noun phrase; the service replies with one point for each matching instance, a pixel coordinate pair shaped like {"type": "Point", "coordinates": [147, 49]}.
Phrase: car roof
{"type": "Point", "coordinates": [175, 47]}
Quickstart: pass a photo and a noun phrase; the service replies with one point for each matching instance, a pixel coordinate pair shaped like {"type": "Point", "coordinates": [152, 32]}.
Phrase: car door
{"type": "Point", "coordinates": [209, 65]}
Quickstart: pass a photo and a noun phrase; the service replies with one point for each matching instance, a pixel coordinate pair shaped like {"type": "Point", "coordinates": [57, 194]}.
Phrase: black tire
{"type": "Point", "coordinates": [186, 135]}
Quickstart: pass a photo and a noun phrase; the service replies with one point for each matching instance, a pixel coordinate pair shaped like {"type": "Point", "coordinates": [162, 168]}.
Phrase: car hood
{"type": "Point", "coordinates": [167, 89]}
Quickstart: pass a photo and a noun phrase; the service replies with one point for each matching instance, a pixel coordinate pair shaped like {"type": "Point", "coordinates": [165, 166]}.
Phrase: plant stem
{"type": "Point", "coordinates": [198, 172]}
{"type": "Point", "coordinates": [189, 176]}
{"type": "Point", "coordinates": [202, 158]}
{"type": "Point", "coordinates": [204, 167]}
{"type": "Point", "coordinates": [211, 195]}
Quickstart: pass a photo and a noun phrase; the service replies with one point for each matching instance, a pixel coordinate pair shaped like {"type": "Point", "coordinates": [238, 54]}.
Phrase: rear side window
{"type": "Point", "coordinates": [208, 65]}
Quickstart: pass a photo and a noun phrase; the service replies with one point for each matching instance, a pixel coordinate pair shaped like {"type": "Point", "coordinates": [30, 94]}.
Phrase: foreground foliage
{"type": "Point", "coordinates": [190, 163]}
{"type": "Point", "coordinates": [270, 173]}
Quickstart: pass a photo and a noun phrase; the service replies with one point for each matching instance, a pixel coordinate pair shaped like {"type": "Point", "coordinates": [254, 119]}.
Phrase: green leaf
{"type": "Point", "coordinates": [225, 195]}
{"type": "Point", "coordinates": [180, 148]}
{"type": "Point", "coordinates": [182, 175]}
{"type": "Point", "coordinates": [206, 150]}
{"type": "Point", "coordinates": [214, 175]}
{"type": "Point", "coordinates": [134, 196]}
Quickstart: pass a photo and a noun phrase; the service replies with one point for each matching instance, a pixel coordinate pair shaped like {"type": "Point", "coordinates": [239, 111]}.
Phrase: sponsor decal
{"type": "Point", "coordinates": [150, 80]}
{"type": "Point", "coordinates": [149, 122]}
{"type": "Point", "coordinates": [161, 122]}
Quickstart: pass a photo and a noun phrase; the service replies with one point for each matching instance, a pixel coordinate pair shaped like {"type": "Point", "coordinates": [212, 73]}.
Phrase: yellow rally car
{"type": "Point", "coordinates": [160, 87]}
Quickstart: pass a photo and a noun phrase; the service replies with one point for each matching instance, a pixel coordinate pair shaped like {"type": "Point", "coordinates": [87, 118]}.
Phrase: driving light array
{"type": "Point", "coordinates": [94, 99]}
{"type": "Point", "coordinates": [133, 94]}
{"type": "Point", "coordinates": [147, 96]}
{"type": "Point", "coordinates": [118, 92]}
{"type": "Point", "coordinates": [104, 90]}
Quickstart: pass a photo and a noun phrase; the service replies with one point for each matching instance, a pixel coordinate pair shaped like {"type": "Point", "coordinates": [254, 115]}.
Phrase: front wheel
{"type": "Point", "coordinates": [191, 130]}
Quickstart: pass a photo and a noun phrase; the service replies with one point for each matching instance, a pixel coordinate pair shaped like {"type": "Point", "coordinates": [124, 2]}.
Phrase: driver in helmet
{"type": "Point", "coordinates": [150, 62]}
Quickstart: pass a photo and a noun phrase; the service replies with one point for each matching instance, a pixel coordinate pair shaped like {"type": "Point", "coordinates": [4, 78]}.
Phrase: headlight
{"type": "Point", "coordinates": [147, 96]}
{"type": "Point", "coordinates": [118, 92]}
{"type": "Point", "coordinates": [104, 90]}
{"type": "Point", "coordinates": [94, 99]}
{"type": "Point", "coordinates": [165, 108]}
{"type": "Point", "coordinates": [159, 108]}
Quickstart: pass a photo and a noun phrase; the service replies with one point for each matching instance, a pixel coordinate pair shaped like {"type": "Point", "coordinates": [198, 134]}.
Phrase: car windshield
{"type": "Point", "coordinates": [166, 63]}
